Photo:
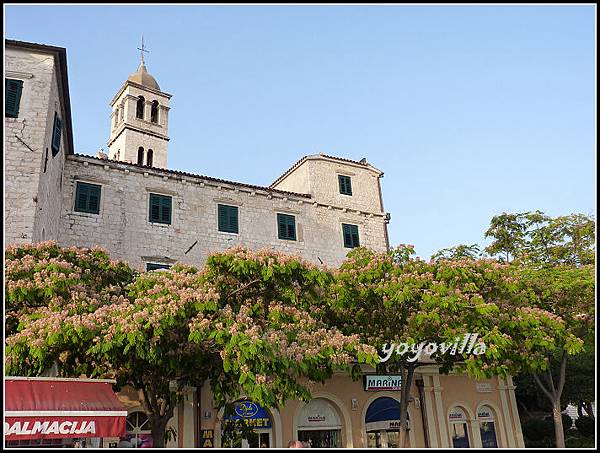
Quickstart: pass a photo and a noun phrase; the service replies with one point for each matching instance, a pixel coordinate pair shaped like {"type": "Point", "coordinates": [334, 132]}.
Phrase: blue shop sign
{"type": "Point", "coordinates": [252, 414]}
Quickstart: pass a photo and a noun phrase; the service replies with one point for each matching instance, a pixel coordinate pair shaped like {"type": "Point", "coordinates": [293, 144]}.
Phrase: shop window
{"type": "Point", "coordinates": [228, 218]}
{"type": "Point", "coordinates": [13, 89]}
{"type": "Point", "coordinates": [345, 183]}
{"type": "Point", "coordinates": [382, 423]}
{"type": "Point", "coordinates": [160, 208]}
{"type": "Point", "coordinates": [139, 433]}
{"type": "Point", "coordinates": [319, 425]}
{"type": "Point", "coordinates": [487, 427]}
{"type": "Point", "coordinates": [87, 198]}
{"type": "Point", "coordinates": [458, 428]}
{"type": "Point", "coordinates": [286, 227]}
{"type": "Point", "coordinates": [350, 236]}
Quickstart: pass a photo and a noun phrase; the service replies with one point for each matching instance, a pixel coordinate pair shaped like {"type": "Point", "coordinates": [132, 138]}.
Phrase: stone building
{"type": "Point", "coordinates": [130, 203]}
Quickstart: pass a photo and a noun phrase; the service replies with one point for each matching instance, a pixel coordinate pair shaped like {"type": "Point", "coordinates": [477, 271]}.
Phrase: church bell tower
{"type": "Point", "coordinates": [139, 120]}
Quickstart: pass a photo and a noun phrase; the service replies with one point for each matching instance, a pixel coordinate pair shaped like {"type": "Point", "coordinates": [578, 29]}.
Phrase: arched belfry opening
{"type": "Point", "coordinates": [140, 125]}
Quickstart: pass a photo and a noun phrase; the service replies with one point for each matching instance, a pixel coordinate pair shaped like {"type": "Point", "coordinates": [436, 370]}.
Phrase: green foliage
{"type": "Point", "coordinates": [458, 252]}
{"type": "Point", "coordinates": [534, 237]}
{"type": "Point", "coordinates": [250, 322]}
{"type": "Point", "coordinates": [538, 430]}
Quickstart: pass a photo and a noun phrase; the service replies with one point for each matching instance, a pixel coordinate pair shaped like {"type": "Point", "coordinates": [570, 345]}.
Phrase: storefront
{"type": "Point", "coordinates": [382, 423]}
{"type": "Point", "coordinates": [319, 425]}
{"type": "Point", "coordinates": [58, 412]}
{"type": "Point", "coordinates": [257, 417]}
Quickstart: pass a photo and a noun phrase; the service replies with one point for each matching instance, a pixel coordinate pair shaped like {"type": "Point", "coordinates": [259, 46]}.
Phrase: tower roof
{"type": "Point", "coordinates": [142, 77]}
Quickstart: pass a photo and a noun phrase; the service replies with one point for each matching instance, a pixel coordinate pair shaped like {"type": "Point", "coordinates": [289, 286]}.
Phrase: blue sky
{"type": "Point", "coordinates": [469, 110]}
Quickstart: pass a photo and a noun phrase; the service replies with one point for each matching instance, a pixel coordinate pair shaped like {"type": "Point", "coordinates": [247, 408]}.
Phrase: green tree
{"type": "Point", "coordinates": [457, 252]}
{"type": "Point", "coordinates": [553, 261]}
{"type": "Point", "coordinates": [390, 298]}
{"type": "Point", "coordinates": [243, 322]}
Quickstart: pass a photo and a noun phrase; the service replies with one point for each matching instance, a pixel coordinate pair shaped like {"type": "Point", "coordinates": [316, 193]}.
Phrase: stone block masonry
{"type": "Point", "coordinates": [123, 225]}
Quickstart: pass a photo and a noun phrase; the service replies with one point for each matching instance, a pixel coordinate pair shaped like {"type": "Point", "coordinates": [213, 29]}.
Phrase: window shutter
{"type": "Point", "coordinates": [350, 236]}
{"type": "Point", "coordinates": [94, 199]}
{"type": "Point", "coordinates": [286, 226]}
{"type": "Point", "coordinates": [87, 198]}
{"type": "Point", "coordinates": [166, 209]}
{"type": "Point", "coordinates": [228, 218]}
{"type": "Point", "coordinates": [13, 90]}
{"type": "Point", "coordinates": [56, 134]}
{"type": "Point", "coordinates": [80, 197]}
{"type": "Point", "coordinates": [345, 184]}
{"type": "Point", "coordinates": [233, 219]}
{"type": "Point", "coordinates": [154, 208]}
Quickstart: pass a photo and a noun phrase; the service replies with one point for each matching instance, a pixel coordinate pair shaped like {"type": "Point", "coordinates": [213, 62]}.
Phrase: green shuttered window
{"type": "Point", "coordinates": [160, 208]}
{"type": "Point", "coordinates": [56, 133]}
{"type": "Point", "coordinates": [13, 89]}
{"type": "Point", "coordinates": [87, 198]}
{"type": "Point", "coordinates": [345, 185]}
{"type": "Point", "coordinates": [228, 218]}
{"type": "Point", "coordinates": [286, 227]}
{"type": "Point", "coordinates": [350, 236]}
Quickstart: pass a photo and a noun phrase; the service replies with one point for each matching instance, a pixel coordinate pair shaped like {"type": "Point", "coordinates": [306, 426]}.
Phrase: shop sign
{"type": "Point", "coordinates": [207, 438]}
{"type": "Point", "coordinates": [31, 428]}
{"type": "Point", "coordinates": [376, 383]}
{"type": "Point", "coordinates": [252, 414]}
{"type": "Point", "coordinates": [483, 387]}
{"type": "Point", "coordinates": [457, 414]}
{"type": "Point", "coordinates": [484, 412]}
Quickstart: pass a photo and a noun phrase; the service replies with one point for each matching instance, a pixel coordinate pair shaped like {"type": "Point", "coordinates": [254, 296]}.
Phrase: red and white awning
{"type": "Point", "coordinates": [51, 408]}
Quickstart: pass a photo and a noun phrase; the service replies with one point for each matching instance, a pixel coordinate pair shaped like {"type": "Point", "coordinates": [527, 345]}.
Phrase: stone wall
{"type": "Point", "coordinates": [32, 205]}
{"type": "Point", "coordinates": [123, 226]}
{"type": "Point", "coordinates": [318, 175]}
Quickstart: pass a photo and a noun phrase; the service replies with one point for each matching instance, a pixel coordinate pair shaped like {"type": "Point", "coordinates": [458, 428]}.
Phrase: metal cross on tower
{"type": "Point", "coordinates": [143, 49]}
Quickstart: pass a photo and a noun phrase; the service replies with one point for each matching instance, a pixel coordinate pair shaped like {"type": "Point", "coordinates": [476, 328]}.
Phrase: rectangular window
{"type": "Point", "coordinates": [345, 185]}
{"type": "Point", "coordinates": [56, 133]}
{"type": "Point", "coordinates": [160, 208]}
{"type": "Point", "coordinates": [87, 198]}
{"type": "Point", "coordinates": [228, 218]}
{"type": "Point", "coordinates": [350, 236]}
{"type": "Point", "coordinates": [13, 89]}
{"type": "Point", "coordinates": [156, 266]}
{"type": "Point", "coordinates": [286, 227]}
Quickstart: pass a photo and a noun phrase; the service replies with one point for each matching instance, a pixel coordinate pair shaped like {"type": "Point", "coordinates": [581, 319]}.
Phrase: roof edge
{"type": "Point", "coordinates": [325, 157]}
{"type": "Point", "coordinates": [193, 175]}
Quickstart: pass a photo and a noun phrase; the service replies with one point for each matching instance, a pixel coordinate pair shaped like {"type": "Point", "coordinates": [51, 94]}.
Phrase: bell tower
{"type": "Point", "coordinates": [140, 120]}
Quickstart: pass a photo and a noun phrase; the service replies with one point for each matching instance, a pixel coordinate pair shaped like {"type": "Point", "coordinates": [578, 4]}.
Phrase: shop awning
{"type": "Point", "coordinates": [50, 408]}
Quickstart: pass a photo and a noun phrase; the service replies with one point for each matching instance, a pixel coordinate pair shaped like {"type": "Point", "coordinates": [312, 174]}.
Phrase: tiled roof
{"type": "Point", "coordinates": [297, 164]}
{"type": "Point", "coordinates": [192, 175]}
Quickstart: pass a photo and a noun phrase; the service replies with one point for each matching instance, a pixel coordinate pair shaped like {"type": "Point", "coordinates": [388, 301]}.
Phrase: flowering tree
{"type": "Point", "coordinates": [249, 322]}
{"type": "Point", "coordinates": [553, 261]}
{"type": "Point", "coordinates": [390, 298]}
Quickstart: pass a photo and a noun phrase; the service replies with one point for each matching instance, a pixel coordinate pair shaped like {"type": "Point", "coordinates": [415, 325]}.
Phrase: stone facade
{"type": "Point", "coordinates": [33, 175]}
{"type": "Point", "coordinates": [123, 225]}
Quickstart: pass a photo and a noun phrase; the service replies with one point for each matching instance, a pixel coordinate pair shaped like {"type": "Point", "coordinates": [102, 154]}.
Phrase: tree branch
{"type": "Point", "coordinates": [247, 285]}
{"type": "Point", "coordinates": [541, 385]}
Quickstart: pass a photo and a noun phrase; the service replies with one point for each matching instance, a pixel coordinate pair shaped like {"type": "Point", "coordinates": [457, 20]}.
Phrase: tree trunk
{"type": "Point", "coordinates": [406, 386]}
{"type": "Point", "coordinates": [159, 429]}
{"type": "Point", "coordinates": [558, 425]}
